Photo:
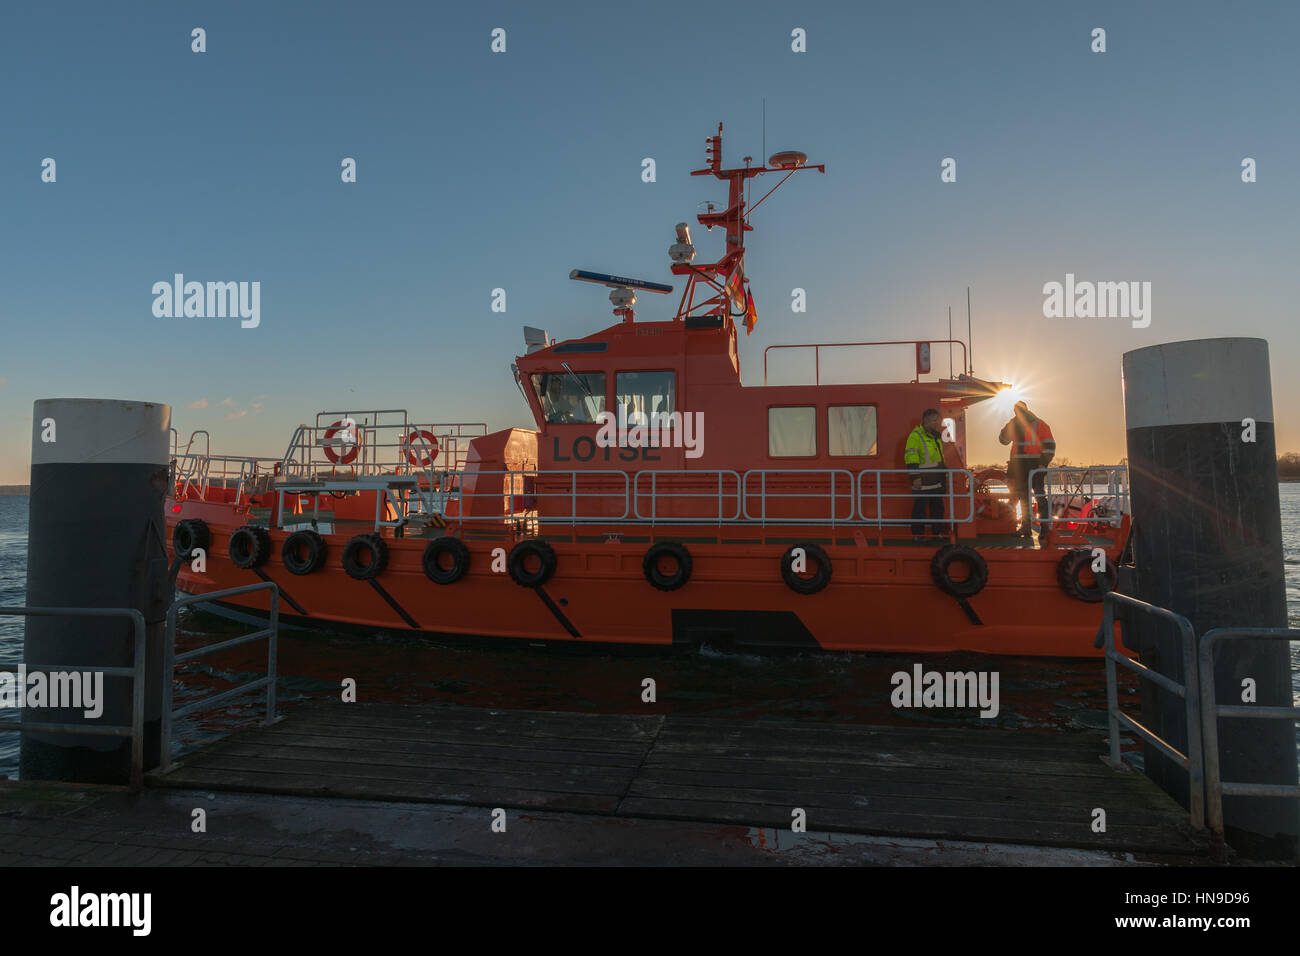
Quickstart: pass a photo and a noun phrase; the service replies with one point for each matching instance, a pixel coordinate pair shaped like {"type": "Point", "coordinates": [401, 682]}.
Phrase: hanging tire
{"type": "Point", "coordinates": [1070, 571]}
{"type": "Point", "coordinates": [303, 552]}
{"type": "Point", "coordinates": [941, 570]}
{"type": "Point", "coordinates": [535, 548]}
{"type": "Point", "coordinates": [798, 583]}
{"type": "Point", "coordinates": [249, 546]}
{"type": "Point", "coordinates": [681, 573]}
{"type": "Point", "coordinates": [190, 534]}
{"type": "Point", "coordinates": [364, 557]}
{"type": "Point", "coordinates": [433, 568]}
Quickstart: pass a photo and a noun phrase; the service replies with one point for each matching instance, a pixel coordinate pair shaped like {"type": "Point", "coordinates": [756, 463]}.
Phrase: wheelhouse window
{"type": "Point", "coordinates": [644, 394]}
{"type": "Point", "coordinates": [852, 430]}
{"type": "Point", "coordinates": [570, 399]}
{"type": "Point", "coordinates": [792, 431]}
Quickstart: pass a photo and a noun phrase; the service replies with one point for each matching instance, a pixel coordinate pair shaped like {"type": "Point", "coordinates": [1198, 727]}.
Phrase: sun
{"type": "Point", "coordinates": [1005, 400]}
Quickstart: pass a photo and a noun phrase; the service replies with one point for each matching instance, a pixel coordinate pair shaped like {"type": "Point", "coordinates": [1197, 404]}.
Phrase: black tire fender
{"type": "Point", "coordinates": [249, 546]}
{"type": "Point", "coordinates": [308, 563]}
{"type": "Point", "coordinates": [434, 571]}
{"type": "Point", "coordinates": [189, 534]}
{"type": "Point", "coordinates": [533, 547]}
{"type": "Point", "coordinates": [802, 585]}
{"type": "Point", "coordinates": [681, 574]}
{"type": "Point", "coordinates": [1069, 569]}
{"type": "Point", "coordinates": [941, 570]}
{"type": "Point", "coordinates": [373, 546]}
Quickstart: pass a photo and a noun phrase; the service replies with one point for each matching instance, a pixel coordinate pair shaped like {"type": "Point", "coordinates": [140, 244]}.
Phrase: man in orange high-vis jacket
{"type": "Point", "coordinates": [1032, 446]}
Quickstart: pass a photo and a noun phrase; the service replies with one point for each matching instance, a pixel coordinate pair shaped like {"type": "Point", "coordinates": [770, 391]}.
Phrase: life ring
{"type": "Point", "coordinates": [533, 547]}
{"type": "Point", "coordinates": [1072, 565]}
{"type": "Point", "coordinates": [188, 535]}
{"type": "Point", "coordinates": [376, 552]}
{"type": "Point", "coordinates": [412, 455]}
{"type": "Point", "coordinates": [303, 552]}
{"type": "Point", "coordinates": [681, 572]}
{"type": "Point", "coordinates": [249, 546]}
{"type": "Point", "coordinates": [798, 583]}
{"type": "Point", "coordinates": [941, 570]}
{"type": "Point", "coordinates": [349, 456]}
{"type": "Point", "coordinates": [433, 568]}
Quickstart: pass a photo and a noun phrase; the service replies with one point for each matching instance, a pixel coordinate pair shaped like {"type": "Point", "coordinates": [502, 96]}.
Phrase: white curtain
{"type": "Point", "coordinates": [792, 432]}
{"type": "Point", "coordinates": [852, 429]}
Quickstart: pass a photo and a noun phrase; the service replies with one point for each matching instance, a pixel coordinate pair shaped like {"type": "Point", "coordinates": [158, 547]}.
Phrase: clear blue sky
{"type": "Point", "coordinates": [479, 170]}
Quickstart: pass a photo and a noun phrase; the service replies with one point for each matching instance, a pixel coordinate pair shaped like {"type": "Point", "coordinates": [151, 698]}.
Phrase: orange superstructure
{"type": "Point", "coordinates": [660, 501]}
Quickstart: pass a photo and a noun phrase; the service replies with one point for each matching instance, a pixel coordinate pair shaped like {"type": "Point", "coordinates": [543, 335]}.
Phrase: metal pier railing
{"type": "Point", "coordinates": [1207, 788]}
{"type": "Point", "coordinates": [136, 672]}
{"type": "Point", "coordinates": [171, 659]}
{"type": "Point", "coordinates": [1211, 711]}
{"type": "Point", "coordinates": [135, 730]}
{"type": "Point", "coordinates": [1192, 761]}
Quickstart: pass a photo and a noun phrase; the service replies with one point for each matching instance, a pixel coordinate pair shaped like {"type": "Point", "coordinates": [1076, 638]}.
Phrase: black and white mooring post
{"type": "Point", "coordinates": [1208, 545]}
{"type": "Point", "coordinates": [96, 539]}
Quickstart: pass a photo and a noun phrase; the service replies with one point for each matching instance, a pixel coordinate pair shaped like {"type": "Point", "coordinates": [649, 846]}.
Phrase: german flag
{"type": "Point", "coordinates": [735, 290]}
{"type": "Point", "coordinates": [751, 315]}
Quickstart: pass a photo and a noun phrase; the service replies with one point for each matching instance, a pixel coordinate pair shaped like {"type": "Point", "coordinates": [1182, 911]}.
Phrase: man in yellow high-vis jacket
{"type": "Point", "coordinates": [923, 455]}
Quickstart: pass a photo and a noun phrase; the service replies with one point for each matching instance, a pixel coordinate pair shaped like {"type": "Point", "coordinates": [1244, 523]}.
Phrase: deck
{"type": "Point", "coordinates": [970, 784]}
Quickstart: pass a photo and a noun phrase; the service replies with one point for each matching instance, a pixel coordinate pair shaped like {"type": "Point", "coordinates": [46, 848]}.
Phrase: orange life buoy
{"type": "Point", "coordinates": [412, 453]}
{"type": "Point", "coordinates": [350, 455]}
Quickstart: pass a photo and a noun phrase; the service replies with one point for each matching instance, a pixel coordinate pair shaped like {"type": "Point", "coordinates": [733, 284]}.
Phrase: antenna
{"type": "Point", "coordinates": [618, 282]}
{"type": "Point", "coordinates": [950, 341]}
{"type": "Point", "coordinates": [621, 295]}
{"type": "Point", "coordinates": [970, 345]}
{"type": "Point", "coordinates": [764, 153]}
{"type": "Point", "coordinates": [725, 277]}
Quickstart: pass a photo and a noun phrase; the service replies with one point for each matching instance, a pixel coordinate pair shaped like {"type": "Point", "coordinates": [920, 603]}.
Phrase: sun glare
{"type": "Point", "coordinates": [1006, 399]}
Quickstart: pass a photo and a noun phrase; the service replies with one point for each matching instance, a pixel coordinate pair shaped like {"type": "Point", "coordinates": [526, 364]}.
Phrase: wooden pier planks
{"type": "Point", "coordinates": [951, 783]}
{"type": "Point", "coordinates": [547, 760]}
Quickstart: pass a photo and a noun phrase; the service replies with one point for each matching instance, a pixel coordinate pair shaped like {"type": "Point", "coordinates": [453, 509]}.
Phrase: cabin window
{"type": "Point", "coordinates": [645, 393]}
{"type": "Point", "coordinates": [792, 432]}
{"type": "Point", "coordinates": [852, 429]}
{"type": "Point", "coordinates": [569, 399]}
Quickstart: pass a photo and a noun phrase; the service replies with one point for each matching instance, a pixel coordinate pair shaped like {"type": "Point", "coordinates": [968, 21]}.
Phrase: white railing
{"type": "Point", "coordinates": [364, 444]}
{"type": "Point", "coordinates": [763, 497]}
{"type": "Point", "coordinates": [722, 487]}
{"type": "Point", "coordinates": [385, 452]}
{"type": "Point", "coordinates": [517, 494]}
{"type": "Point", "coordinates": [198, 473]}
{"type": "Point", "coordinates": [829, 497]}
{"type": "Point", "coordinates": [1100, 490]}
{"type": "Point", "coordinates": [950, 495]}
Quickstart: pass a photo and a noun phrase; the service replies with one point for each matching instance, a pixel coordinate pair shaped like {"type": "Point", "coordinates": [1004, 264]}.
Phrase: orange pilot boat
{"type": "Point", "coordinates": [659, 501]}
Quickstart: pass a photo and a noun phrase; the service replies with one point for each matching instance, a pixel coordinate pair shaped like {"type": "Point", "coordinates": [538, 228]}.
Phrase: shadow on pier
{"type": "Point", "coordinates": [962, 784]}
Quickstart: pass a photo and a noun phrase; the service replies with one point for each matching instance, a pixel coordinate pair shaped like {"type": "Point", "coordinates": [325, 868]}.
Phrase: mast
{"type": "Point", "coordinates": [970, 345]}
{"type": "Point", "coordinates": [724, 278]}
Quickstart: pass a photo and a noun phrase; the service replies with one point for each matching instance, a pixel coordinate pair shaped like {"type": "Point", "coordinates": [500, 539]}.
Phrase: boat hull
{"type": "Point", "coordinates": [880, 598]}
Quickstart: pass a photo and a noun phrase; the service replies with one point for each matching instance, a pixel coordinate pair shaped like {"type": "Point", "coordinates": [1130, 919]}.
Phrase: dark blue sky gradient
{"type": "Point", "coordinates": [479, 171]}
